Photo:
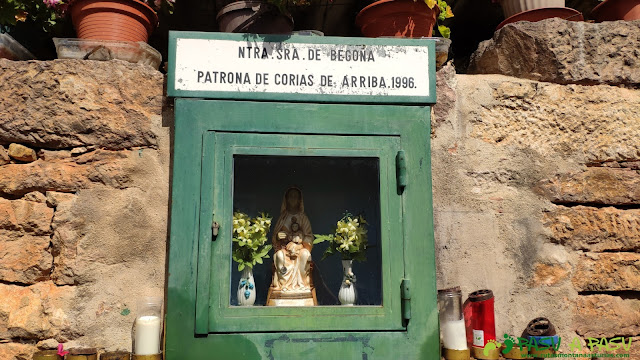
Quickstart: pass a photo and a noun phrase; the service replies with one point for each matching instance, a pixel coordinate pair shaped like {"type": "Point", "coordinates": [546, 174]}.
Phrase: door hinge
{"type": "Point", "coordinates": [406, 299]}
{"type": "Point", "coordinates": [401, 170]}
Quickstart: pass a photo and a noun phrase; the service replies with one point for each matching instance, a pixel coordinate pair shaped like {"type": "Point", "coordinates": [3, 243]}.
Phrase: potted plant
{"type": "Point", "coordinates": [120, 20]}
{"type": "Point", "coordinates": [249, 248]}
{"type": "Point", "coordinates": [404, 18]}
{"type": "Point", "coordinates": [512, 7]}
{"type": "Point", "coordinates": [612, 10]}
{"type": "Point", "coordinates": [258, 16]}
{"type": "Point", "coordinates": [536, 10]}
{"type": "Point", "coordinates": [45, 14]}
{"type": "Point", "coordinates": [30, 23]}
{"type": "Point", "coordinates": [349, 240]}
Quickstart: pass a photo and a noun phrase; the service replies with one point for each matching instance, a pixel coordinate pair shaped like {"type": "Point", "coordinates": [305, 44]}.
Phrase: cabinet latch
{"type": "Point", "coordinates": [401, 170]}
{"type": "Point", "coordinates": [215, 228]}
{"type": "Point", "coordinates": [406, 299]}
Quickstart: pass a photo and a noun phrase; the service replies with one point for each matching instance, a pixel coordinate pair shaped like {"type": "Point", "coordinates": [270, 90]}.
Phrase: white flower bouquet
{"type": "Point", "coordinates": [250, 239]}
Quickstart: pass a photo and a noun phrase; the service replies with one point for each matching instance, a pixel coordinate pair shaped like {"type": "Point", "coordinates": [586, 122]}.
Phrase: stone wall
{"type": "Point", "coordinates": [84, 179]}
{"type": "Point", "coordinates": [537, 185]}
{"type": "Point", "coordinates": [536, 196]}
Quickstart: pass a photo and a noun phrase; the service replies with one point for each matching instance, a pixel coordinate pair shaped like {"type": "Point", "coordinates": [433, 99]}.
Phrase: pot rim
{"type": "Point", "coordinates": [603, 6]}
{"type": "Point", "coordinates": [146, 8]}
{"type": "Point", "coordinates": [574, 12]}
{"type": "Point", "coordinates": [386, 2]}
{"type": "Point", "coordinates": [247, 4]}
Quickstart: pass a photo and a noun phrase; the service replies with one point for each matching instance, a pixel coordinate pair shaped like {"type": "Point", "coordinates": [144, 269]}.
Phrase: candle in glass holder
{"type": "Point", "coordinates": [452, 327]}
{"type": "Point", "coordinates": [147, 335]}
{"type": "Point", "coordinates": [453, 334]}
{"type": "Point", "coordinates": [148, 327]}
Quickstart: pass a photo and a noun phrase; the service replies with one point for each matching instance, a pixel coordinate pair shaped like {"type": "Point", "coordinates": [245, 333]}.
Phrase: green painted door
{"type": "Point", "coordinates": [241, 155]}
{"type": "Point", "coordinates": [296, 156]}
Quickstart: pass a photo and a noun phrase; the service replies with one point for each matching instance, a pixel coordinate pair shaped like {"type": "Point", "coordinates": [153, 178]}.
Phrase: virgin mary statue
{"type": "Point", "coordinates": [292, 242]}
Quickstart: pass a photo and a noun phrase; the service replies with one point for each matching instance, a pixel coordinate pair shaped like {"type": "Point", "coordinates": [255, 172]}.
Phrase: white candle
{"type": "Point", "coordinates": [147, 338]}
{"type": "Point", "coordinates": [454, 336]}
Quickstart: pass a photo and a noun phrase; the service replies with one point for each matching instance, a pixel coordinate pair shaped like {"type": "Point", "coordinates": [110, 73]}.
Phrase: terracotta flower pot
{"type": "Point", "coordinates": [252, 16]}
{"type": "Point", "coordinates": [122, 20]}
{"type": "Point", "coordinates": [398, 18]}
{"type": "Point", "coordinates": [542, 14]}
{"type": "Point", "coordinates": [512, 7]}
{"type": "Point", "coordinates": [612, 10]}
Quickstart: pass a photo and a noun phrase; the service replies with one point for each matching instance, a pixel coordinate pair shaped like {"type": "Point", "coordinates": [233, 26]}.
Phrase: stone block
{"type": "Point", "coordinates": [595, 229]}
{"type": "Point", "coordinates": [587, 123]}
{"type": "Point", "coordinates": [446, 90]}
{"type": "Point", "coordinates": [35, 196]}
{"type": "Point", "coordinates": [607, 272]}
{"type": "Point", "coordinates": [20, 179]}
{"type": "Point", "coordinates": [17, 351]}
{"type": "Point", "coordinates": [48, 155]}
{"type": "Point", "coordinates": [633, 351]}
{"type": "Point", "coordinates": [22, 153]}
{"type": "Point", "coordinates": [4, 156]}
{"type": "Point", "coordinates": [564, 52]}
{"type": "Point", "coordinates": [25, 216]}
{"type": "Point", "coordinates": [604, 186]}
{"type": "Point", "coordinates": [54, 198]}
{"type": "Point", "coordinates": [73, 103]}
{"type": "Point", "coordinates": [635, 165]}
{"type": "Point", "coordinates": [104, 167]}
{"type": "Point", "coordinates": [550, 274]}
{"type": "Point", "coordinates": [25, 259]}
{"type": "Point", "coordinates": [606, 316]}
{"type": "Point", "coordinates": [39, 311]}
{"type": "Point", "coordinates": [67, 232]}
{"type": "Point", "coordinates": [47, 344]}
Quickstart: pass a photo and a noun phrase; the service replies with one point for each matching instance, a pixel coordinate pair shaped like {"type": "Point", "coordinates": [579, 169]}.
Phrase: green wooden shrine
{"type": "Point", "coordinates": [345, 120]}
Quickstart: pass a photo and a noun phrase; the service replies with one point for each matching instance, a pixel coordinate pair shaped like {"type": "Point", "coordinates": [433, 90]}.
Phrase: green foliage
{"type": "Point", "coordinates": [445, 13]}
{"type": "Point", "coordinates": [48, 14]}
{"type": "Point", "coordinates": [33, 11]}
{"type": "Point", "coordinates": [349, 238]}
{"type": "Point", "coordinates": [444, 31]}
{"type": "Point", "coordinates": [286, 5]}
{"type": "Point", "coordinates": [249, 239]}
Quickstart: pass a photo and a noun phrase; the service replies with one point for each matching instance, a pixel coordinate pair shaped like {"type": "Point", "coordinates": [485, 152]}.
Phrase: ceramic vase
{"type": "Point", "coordinates": [347, 294]}
{"type": "Point", "coordinates": [246, 288]}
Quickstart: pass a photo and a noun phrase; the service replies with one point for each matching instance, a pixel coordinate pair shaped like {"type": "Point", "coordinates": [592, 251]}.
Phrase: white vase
{"type": "Point", "coordinates": [347, 294]}
{"type": "Point", "coordinates": [246, 288]}
{"type": "Point", "coordinates": [512, 7]}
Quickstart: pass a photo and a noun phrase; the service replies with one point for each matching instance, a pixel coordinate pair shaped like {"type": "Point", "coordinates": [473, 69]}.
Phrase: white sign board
{"type": "Point", "coordinates": [301, 68]}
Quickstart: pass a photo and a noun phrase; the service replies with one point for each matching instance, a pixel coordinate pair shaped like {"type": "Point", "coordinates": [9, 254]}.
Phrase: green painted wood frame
{"type": "Point", "coordinates": [225, 318]}
{"type": "Point", "coordinates": [375, 131]}
{"type": "Point", "coordinates": [429, 67]}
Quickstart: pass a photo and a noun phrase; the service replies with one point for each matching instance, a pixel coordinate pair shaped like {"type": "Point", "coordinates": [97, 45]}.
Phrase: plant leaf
{"type": "Point", "coordinates": [322, 238]}
{"type": "Point", "coordinates": [444, 31]}
{"type": "Point", "coordinates": [431, 3]}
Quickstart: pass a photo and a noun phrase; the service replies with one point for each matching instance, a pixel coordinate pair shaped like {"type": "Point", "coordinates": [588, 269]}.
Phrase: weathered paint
{"type": "Point", "coordinates": [198, 126]}
{"type": "Point", "coordinates": [299, 68]}
{"type": "Point", "coordinates": [224, 318]}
